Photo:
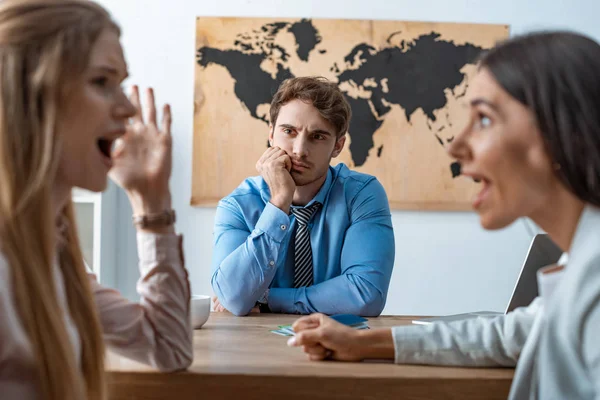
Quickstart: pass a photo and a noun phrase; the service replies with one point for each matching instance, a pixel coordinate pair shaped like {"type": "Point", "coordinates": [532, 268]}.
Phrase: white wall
{"type": "Point", "coordinates": [445, 262]}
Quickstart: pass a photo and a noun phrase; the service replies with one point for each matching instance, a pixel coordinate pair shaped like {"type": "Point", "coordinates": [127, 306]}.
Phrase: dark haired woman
{"type": "Point", "coordinates": [533, 140]}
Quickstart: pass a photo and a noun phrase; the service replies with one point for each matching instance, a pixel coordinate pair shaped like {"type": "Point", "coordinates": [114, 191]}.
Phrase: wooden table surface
{"type": "Point", "coordinates": [238, 358]}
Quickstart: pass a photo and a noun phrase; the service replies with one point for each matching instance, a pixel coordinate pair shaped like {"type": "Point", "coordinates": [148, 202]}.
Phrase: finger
{"type": "Point", "coordinates": [283, 161]}
{"type": "Point", "coordinates": [309, 337]}
{"type": "Point", "coordinates": [118, 148]}
{"type": "Point", "coordinates": [308, 322]}
{"type": "Point", "coordinates": [150, 106]}
{"type": "Point", "coordinates": [313, 357]}
{"type": "Point", "coordinates": [220, 308]}
{"type": "Point", "coordinates": [316, 350]}
{"type": "Point", "coordinates": [287, 162]}
{"type": "Point", "coordinates": [277, 152]}
{"type": "Point", "coordinates": [264, 157]}
{"type": "Point", "coordinates": [272, 155]}
{"type": "Point", "coordinates": [166, 120]}
{"type": "Point", "coordinates": [135, 100]}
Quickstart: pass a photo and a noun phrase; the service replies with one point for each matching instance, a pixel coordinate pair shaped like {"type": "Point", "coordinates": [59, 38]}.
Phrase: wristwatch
{"type": "Point", "coordinates": [161, 219]}
{"type": "Point", "coordinates": [263, 303]}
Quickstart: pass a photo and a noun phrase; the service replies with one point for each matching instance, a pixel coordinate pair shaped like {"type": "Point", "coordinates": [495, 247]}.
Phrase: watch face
{"type": "Point", "coordinates": [165, 218]}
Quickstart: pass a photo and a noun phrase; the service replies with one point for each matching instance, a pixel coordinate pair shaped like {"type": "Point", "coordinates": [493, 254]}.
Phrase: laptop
{"type": "Point", "coordinates": [542, 252]}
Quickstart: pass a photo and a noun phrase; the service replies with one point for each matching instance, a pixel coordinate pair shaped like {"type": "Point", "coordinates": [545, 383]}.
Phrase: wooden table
{"type": "Point", "coordinates": [238, 358]}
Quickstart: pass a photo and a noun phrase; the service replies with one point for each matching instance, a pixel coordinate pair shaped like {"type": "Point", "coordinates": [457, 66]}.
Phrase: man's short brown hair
{"type": "Point", "coordinates": [324, 95]}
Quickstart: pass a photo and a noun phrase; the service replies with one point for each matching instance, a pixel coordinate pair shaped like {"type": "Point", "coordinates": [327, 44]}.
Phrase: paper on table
{"type": "Point", "coordinates": [352, 321]}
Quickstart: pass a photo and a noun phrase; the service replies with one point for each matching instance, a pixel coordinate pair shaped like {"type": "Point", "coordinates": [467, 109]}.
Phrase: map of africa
{"type": "Point", "coordinates": [403, 80]}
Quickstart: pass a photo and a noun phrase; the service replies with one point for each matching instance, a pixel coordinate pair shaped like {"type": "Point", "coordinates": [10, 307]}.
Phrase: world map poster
{"type": "Point", "coordinates": [405, 81]}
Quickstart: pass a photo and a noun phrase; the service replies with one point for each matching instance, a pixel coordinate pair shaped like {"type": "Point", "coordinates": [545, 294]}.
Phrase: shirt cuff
{"type": "Point", "coordinates": [282, 300]}
{"type": "Point", "coordinates": [407, 343]}
{"type": "Point", "coordinates": [159, 249]}
{"type": "Point", "coordinates": [274, 223]}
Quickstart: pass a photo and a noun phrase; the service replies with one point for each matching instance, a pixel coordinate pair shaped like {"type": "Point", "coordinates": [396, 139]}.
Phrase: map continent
{"type": "Point", "coordinates": [416, 79]}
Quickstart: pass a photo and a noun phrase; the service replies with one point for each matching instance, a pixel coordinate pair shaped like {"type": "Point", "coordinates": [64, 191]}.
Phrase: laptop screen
{"type": "Point", "coordinates": [542, 252]}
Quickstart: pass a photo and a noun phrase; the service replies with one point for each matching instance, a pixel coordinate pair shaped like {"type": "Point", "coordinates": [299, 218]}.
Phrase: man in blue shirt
{"type": "Point", "coordinates": [303, 236]}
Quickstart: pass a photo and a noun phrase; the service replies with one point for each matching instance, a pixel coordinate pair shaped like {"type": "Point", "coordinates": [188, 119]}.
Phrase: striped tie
{"type": "Point", "coordinates": [303, 262]}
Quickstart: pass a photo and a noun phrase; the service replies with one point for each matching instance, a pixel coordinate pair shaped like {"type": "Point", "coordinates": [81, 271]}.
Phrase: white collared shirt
{"type": "Point", "coordinates": [555, 339]}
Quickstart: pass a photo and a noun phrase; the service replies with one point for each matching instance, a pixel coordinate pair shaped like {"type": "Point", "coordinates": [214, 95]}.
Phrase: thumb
{"type": "Point", "coordinates": [118, 148]}
{"type": "Point", "coordinates": [309, 337]}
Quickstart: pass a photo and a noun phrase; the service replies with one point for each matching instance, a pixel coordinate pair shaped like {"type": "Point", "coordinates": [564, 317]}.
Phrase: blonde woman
{"type": "Point", "coordinates": [62, 110]}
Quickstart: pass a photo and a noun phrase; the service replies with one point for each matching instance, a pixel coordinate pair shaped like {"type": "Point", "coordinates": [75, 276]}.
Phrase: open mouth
{"type": "Point", "coordinates": [105, 147]}
{"type": "Point", "coordinates": [476, 178]}
{"type": "Point", "coordinates": [481, 180]}
{"type": "Point", "coordinates": [483, 193]}
{"type": "Point", "coordinates": [485, 187]}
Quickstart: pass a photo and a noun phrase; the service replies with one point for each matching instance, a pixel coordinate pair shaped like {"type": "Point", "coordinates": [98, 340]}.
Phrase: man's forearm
{"type": "Point", "coordinates": [244, 263]}
{"type": "Point", "coordinates": [246, 273]}
{"type": "Point", "coordinates": [236, 296]}
{"type": "Point", "coordinates": [344, 294]}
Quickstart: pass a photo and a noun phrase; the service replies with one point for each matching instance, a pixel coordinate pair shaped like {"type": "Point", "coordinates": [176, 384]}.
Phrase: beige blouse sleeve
{"type": "Point", "coordinates": [157, 330]}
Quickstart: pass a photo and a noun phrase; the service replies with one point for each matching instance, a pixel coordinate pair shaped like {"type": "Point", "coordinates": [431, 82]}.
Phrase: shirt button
{"type": "Point", "coordinates": [271, 263]}
{"type": "Point", "coordinates": [283, 227]}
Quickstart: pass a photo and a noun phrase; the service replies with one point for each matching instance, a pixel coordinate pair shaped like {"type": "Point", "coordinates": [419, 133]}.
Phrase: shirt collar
{"type": "Point", "coordinates": [322, 193]}
{"type": "Point", "coordinates": [587, 235]}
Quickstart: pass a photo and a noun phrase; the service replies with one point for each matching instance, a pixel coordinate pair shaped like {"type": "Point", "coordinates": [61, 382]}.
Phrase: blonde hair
{"type": "Point", "coordinates": [44, 45]}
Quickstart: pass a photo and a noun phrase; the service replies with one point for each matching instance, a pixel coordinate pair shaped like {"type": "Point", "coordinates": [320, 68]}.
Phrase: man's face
{"type": "Point", "coordinates": [308, 139]}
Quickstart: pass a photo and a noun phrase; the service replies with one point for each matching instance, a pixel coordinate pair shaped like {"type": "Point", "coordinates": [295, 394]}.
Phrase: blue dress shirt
{"type": "Point", "coordinates": [352, 243]}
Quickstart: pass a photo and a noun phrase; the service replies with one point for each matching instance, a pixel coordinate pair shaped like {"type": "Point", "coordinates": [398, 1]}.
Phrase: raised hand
{"type": "Point", "coordinates": [142, 157]}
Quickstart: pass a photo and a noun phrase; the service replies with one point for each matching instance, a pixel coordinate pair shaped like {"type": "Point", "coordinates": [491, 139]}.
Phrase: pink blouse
{"type": "Point", "coordinates": [156, 331]}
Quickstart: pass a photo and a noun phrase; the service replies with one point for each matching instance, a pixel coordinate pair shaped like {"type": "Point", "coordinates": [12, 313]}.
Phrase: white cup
{"type": "Point", "coordinates": [199, 310]}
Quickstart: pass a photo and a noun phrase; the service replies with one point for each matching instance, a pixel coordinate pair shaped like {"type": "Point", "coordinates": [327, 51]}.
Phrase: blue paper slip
{"type": "Point", "coordinates": [348, 319]}
{"type": "Point", "coordinates": [353, 321]}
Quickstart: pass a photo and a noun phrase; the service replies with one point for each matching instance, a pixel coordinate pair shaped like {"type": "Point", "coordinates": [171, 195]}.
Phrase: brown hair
{"type": "Point", "coordinates": [556, 74]}
{"type": "Point", "coordinates": [324, 95]}
{"type": "Point", "coordinates": [44, 46]}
